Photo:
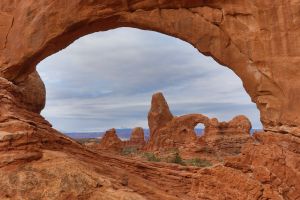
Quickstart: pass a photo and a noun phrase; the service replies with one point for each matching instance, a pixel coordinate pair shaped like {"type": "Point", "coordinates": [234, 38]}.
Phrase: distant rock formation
{"type": "Point", "coordinates": [227, 137]}
{"type": "Point", "coordinates": [159, 114]}
{"type": "Point", "coordinates": [137, 139]}
{"type": "Point", "coordinates": [167, 131]}
{"type": "Point", "coordinates": [178, 132]}
{"type": "Point", "coordinates": [110, 141]}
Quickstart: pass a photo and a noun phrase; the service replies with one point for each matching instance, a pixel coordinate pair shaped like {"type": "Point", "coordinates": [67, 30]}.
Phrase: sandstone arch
{"type": "Point", "coordinates": [238, 34]}
{"type": "Point", "coordinates": [258, 40]}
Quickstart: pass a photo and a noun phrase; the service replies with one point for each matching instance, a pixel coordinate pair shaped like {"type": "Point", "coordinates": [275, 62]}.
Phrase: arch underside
{"type": "Point", "coordinates": [233, 33]}
{"type": "Point", "coordinates": [258, 40]}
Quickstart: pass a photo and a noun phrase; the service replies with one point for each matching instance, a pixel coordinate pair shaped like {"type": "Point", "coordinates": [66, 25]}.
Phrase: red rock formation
{"type": "Point", "coordinates": [159, 114]}
{"type": "Point", "coordinates": [137, 139]}
{"type": "Point", "coordinates": [180, 131]}
{"type": "Point", "coordinates": [227, 137]}
{"type": "Point", "coordinates": [258, 40]}
{"type": "Point", "coordinates": [266, 169]}
{"type": "Point", "coordinates": [239, 35]}
{"type": "Point", "coordinates": [110, 141]}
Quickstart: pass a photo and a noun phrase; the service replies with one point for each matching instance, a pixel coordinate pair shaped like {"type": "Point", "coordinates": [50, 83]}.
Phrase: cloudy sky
{"type": "Point", "coordinates": [106, 80]}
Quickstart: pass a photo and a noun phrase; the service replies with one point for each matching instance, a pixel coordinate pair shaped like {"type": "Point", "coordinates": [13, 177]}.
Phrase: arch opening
{"type": "Point", "coordinates": [199, 129]}
{"type": "Point", "coordinates": [93, 72]}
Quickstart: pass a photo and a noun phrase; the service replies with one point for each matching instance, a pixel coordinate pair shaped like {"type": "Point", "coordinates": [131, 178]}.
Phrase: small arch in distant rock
{"type": "Point", "coordinates": [199, 129]}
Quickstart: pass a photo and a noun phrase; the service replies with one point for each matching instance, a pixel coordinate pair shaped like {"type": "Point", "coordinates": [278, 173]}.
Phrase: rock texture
{"type": "Point", "coordinates": [227, 138]}
{"type": "Point", "coordinates": [159, 114]}
{"type": "Point", "coordinates": [178, 132]}
{"type": "Point", "coordinates": [137, 139]}
{"type": "Point", "coordinates": [110, 141]}
{"type": "Point", "coordinates": [258, 40]}
{"type": "Point", "coordinates": [266, 169]}
{"type": "Point", "coordinates": [221, 138]}
{"type": "Point", "coordinates": [253, 38]}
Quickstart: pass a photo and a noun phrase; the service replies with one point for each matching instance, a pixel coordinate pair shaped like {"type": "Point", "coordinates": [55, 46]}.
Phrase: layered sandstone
{"type": "Point", "coordinates": [253, 38]}
{"type": "Point", "coordinates": [159, 114]}
{"type": "Point", "coordinates": [258, 40]}
{"type": "Point", "coordinates": [266, 169]}
{"type": "Point", "coordinates": [227, 138]}
{"type": "Point", "coordinates": [219, 138]}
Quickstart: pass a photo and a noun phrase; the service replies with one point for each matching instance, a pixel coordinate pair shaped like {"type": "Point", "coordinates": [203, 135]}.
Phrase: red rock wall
{"type": "Point", "coordinates": [256, 39]}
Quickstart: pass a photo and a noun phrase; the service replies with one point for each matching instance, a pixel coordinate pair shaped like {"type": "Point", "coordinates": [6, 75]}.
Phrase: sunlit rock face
{"type": "Point", "coordinates": [227, 137]}
{"type": "Point", "coordinates": [159, 114]}
{"type": "Point", "coordinates": [250, 37]}
{"type": "Point", "coordinates": [258, 40]}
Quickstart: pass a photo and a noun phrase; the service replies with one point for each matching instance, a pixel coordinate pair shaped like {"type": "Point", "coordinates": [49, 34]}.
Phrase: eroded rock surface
{"type": "Point", "coordinates": [110, 141]}
{"type": "Point", "coordinates": [178, 132]}
{"type": "Point", "coordinates": [159, 114]}
{"type": "Point", "coordinates": [258, 40]}
{"type": "Point", "coordinates": [137, 139]}
{"type": "Point", "coordinates": [266, 169]}
{"type": "Point", "coordinates": [219, 138]}
{"type": "Point", "coordinates": [227, 138]}
{"type": "Point", "coordinates": [253, 38]}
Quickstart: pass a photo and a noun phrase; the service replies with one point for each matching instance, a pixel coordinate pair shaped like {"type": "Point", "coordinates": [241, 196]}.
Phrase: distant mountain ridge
{"type": "Point", "coordinates": [122, 133]}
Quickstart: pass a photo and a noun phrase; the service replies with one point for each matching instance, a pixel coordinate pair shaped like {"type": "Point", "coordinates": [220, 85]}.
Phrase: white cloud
{"type": "Point", "coordinates": [106, 80]}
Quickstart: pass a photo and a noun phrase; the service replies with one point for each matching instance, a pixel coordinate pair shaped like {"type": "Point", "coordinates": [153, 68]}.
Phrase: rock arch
{"type": "Point", "coordinates": [258, 40]}
{"type": "Point", "coordinates": [238, 34]}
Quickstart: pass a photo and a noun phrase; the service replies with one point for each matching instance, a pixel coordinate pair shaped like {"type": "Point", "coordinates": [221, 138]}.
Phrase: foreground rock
{"type": "Point", "coordinates": [258, 40]}
{"type": "Point", "coordinates": [266, 169]}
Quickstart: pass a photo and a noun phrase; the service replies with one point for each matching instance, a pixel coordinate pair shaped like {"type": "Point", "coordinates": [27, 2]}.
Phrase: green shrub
{"type": "Point", "coordinates": [128, 151]}
{"type": "Point", "coordinates": [197, 162]}
{"type": "Point", "coordinates": [176, 158]}
{"type": "Point", "coordinates": [151, 157]}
